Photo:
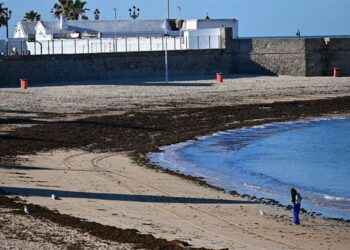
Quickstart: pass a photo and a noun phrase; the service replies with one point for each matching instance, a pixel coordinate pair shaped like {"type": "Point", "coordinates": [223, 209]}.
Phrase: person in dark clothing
{"type": "Point", "coordinates": [296, 200]}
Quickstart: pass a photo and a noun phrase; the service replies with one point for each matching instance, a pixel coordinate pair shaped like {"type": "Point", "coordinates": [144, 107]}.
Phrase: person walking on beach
{"type": "Point", "coordinates": [296, 200]}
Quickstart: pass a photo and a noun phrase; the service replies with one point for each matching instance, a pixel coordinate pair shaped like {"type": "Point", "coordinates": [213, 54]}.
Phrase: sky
{"type": "Point", "coordinates": [257, 18]}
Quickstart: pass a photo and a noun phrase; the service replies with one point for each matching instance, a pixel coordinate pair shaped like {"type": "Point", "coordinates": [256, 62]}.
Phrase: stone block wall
{"type": "Point", "coordinates": [290, 56]}
{"type": "Point", "coordinates": [269, 56]}
{"type": "Point", "coordinates": [112, 66]}
{"type": "Point", "coordinates": [324, 54]}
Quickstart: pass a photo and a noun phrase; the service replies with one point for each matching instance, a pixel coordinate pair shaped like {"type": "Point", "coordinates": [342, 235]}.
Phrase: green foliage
{"type": "Point", "coordinates": [3, 16]}
{"type": "Point", "coordinates": [73, 9]}
{"type": "Point", "coordinates": [32, 16]}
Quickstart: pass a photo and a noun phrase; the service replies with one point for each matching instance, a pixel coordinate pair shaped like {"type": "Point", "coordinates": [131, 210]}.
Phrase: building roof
{"type": "Point", "coordinates": [119, 27]}
{"type": "Point", "coordinates": [52, 26]}
{"type": "Point", "coordinates": [214, 20]}
{"type": "Point", "coordinates": [29, 27]}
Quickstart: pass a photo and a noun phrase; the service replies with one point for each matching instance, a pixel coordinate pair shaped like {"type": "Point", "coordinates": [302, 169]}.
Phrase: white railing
{"type": "Point", "coordinates": [107, 45]}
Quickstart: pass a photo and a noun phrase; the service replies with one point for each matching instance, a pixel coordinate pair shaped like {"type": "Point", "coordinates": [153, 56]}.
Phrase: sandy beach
{"type": "Point", "coordinates": [112, 190]}
{"type": "Point", "coordinates": [74, 98]}
{"type": "Point", "coordinates": [87, 144]}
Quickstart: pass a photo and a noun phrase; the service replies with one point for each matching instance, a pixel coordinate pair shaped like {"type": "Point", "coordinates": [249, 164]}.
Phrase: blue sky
{"type": "Point", "coordinates": [256, 17]}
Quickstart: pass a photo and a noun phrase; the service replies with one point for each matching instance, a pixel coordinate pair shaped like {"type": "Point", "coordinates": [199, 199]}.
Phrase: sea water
{"type": "Point", "coordinates": [266, 161]}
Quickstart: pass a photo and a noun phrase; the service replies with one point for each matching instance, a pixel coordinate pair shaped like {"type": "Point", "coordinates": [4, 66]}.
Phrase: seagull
{"type": "Point", "coordinates": [262, 213]}
{"type": "Point", "coordinates": [26, 209]}
{"type": "Point", "coordinates": [53, 197]}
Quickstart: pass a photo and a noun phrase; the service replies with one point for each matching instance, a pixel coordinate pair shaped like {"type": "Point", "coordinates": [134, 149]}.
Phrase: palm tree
{"type": "Point", "coordinates": [73, 9]}
{"type": "Point", "coordinates": [79, 9]}
{"type": "Point", "coordinates": [3, 11]}
{"type": "Point", "coordinates": [32, 16]}
{"type": "Point", "coordinates": [58, 8]}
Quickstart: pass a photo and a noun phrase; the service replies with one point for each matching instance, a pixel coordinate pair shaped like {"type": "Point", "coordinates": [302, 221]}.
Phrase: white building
{"type": "Point", "coordinates": [210, 26]}
{"type": "Point", "coordinates": [67, 29]}
{"type": "Point", "coordinates": [199, 33]}
{"type": "Point", "coordinates": [63, 28]}
{"type": "Point", "coordinates": [102, 36]}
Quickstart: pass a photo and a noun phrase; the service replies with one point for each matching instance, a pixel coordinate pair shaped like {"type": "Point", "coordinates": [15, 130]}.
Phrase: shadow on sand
{"type": "Point", "coordinates": [117, 197]}
{"type": "Point", "coordinates": [17, 167]}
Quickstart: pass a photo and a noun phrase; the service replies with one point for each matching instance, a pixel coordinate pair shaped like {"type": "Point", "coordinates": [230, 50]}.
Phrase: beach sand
{"type": "Point", "coordinates": [71, 100]}
{"type": "Point", "coordinates": [26, 232]}
{"type": "Point", "coordinates": [110, 188]}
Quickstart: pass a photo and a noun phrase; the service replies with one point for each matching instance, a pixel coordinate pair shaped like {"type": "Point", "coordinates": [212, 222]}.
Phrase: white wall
{"type": "Point", "coordinates": [204, 32]}
{"type": "Point", "coordinates": [202, 39]}
{"type": "Point", "coordinates": [40, 29]}
{"type": "Point", "coordinates": [19, 32]}
{"type": "Point", "coordinates": [43, 37]}
{"type": "Point", "coordinates": [196, 39]}
{"type": "Point", "coordinates": [212, 23]}
{"type": "Point", "coordinates": [190, 24]}
{"type": "Point", "coordinates": [103, 45]}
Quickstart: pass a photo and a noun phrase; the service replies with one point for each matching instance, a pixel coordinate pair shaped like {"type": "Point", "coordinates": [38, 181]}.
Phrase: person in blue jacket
{"type": "Point", "coordinates": [296, 200]}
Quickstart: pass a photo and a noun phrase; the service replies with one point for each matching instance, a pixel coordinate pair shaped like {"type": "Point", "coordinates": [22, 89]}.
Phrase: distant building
{"type": "Point", "coordinates": [210, 26]}
{"type": "Point", "coordinates": [64, 36]}
{"type": "Point", "coordinates": [206, 31]}
{"type": "Point", "coordinates": [48, 30]}
{"type": "Point", "coordinates": [72, 29]}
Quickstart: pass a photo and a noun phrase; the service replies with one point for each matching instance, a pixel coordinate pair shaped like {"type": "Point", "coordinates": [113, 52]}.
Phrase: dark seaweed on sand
{"type": "Point", "coordinates": [140, 132]}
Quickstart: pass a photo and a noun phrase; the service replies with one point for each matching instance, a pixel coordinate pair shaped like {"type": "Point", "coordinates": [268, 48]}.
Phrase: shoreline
{"type": "Point", "coordinates": [262, 200]}
{"type": "Point", "coordinates": [65, 211]}
{"type": "Point", "coordinates": [138, 131]}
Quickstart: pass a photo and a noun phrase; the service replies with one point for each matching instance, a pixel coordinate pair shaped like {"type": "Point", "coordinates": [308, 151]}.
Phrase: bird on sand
{"type": "Point", "coordinates": [262, 213]}
{"type": "Point", "coordinates": [26, 209]}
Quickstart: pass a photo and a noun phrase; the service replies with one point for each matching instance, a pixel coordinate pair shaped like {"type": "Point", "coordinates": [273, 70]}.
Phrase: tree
{"type": "Point", "coordinates": [32, 16]}
{"type": "Point", "coordinates": [3, 14]}
{"type": "Point", "coordinates": [73, 9]}
{"type": "Point", "coordinates": [79, 9]}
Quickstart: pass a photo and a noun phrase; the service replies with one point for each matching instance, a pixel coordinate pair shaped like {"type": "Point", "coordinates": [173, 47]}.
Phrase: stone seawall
{"type": "Point", "coordinates": [325, 54]}
{"type": "Point", "coordinates": [267, 56]}
{"type": "Point", "coordinates": [290, 56]}
{"type": "Point", "coordinates": [108, 66]}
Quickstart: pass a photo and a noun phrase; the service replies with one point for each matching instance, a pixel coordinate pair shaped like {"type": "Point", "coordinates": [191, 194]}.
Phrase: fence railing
{"type": "Point", "coordinates": [108, 45]}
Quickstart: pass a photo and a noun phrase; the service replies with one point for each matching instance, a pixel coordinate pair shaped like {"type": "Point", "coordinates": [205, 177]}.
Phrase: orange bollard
{"type": "Point", "coordinates": [24, 83]}
{"type": "Point", "coordinates": [336, 72]}
{"type": "Point", "coordinates": [219, 77]}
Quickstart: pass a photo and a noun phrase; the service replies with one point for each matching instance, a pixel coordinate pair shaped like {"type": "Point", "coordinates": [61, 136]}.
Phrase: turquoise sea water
{"type": "Point", "coordinates": [266, 161]}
